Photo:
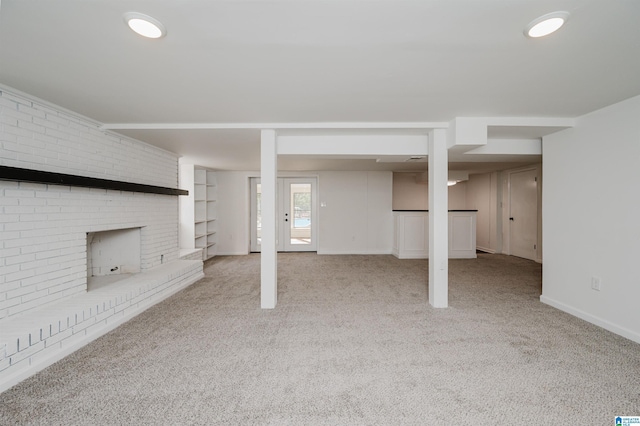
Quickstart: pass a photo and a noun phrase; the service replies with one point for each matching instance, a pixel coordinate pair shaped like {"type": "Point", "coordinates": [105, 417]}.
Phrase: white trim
{"type": "Point", "coordinates": [235, 253]}
{"type": "Point", "coordinates": [609, 326]}
{"type": "Point", "coordinates": [531, 121]}
{"type": "Point", "coordinates": [356, 252]}
{"type": "Point", "coordinates": [276, 126]}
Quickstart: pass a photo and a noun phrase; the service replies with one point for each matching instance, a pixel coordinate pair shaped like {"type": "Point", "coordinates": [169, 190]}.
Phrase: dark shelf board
{"type": "Point", "coordinates": [51, 178]}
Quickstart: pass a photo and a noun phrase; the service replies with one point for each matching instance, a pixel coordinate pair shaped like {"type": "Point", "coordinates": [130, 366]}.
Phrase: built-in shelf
{"type": "Point", "coordinates": [198, 213]}
{"type": "Point", "coordinates": [18, 174]}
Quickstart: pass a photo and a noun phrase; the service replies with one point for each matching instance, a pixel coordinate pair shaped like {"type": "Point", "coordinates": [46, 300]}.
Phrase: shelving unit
{"type": "Point", "coordinates": [198, 210]}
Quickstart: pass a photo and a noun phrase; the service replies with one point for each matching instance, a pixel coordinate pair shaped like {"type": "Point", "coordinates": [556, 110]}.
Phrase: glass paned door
{"type": "Point", "coordinates": [299, 223]}
{"type": "Point", "coordinates": [296, 224]}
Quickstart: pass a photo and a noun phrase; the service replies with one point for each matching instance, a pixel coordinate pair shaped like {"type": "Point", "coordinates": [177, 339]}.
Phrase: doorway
{"type": "Point", "coordinates": [296, 224]}
{"type": "Point", "coordinates": [523, 213]}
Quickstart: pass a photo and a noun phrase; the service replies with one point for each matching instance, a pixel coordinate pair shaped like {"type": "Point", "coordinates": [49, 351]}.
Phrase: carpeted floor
{"type": "Point", "coordinates": [352, 341]}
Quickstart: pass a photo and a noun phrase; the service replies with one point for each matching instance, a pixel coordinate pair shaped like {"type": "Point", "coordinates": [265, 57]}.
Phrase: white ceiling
{"type": "Point", "coordinates": [313, 61]}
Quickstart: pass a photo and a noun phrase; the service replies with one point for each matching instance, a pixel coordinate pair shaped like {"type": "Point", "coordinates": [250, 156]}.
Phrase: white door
{"type": "Point", "coordinates": [297, 205]}
{"type": "Point", "coordinates": [523, 216]}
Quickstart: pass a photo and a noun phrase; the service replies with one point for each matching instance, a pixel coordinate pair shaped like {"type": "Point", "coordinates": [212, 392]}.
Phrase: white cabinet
{"type": "Point", "coordinates": [411, 234]}
{"type": "Point", "coordinates": [198, 210]}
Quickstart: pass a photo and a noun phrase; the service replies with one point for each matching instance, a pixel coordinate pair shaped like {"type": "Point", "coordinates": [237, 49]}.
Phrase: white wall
{"type": "Point", "coordinates": [233, 212]}
{"type": "Point", "coordinates": [357, 214]}
{"type": "Point", "coordinates": [482, 195]}
{"type": "Point", "coordinates": [409, 194]}
{"type": "Point", "coordinates": [590, 213]}
{"type": "Point", "coordinates": [458, 196]}
{"type": "Point", "coordinates": [357, 217]}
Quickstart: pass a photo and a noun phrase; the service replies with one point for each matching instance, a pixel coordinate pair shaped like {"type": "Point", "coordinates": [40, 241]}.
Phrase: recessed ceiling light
{"type": "Point", "coordinates": [546, 24]}
{"type": "Point", "coordinates": [144, 25]}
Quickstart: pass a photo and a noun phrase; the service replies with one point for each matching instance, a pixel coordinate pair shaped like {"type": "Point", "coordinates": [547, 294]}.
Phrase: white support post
{"type": "Point", "coordinates": [438, 220]}
{"type": "Point", "coordinates": [269, 253]}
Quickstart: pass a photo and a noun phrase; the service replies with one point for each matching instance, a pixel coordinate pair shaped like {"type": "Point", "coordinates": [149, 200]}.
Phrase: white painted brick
{"type": "Point", "coordinates": [9, 303]}
{"type": "Point", "coordinates": [19, 193]}
{"type": "Point", "coordinates": [17, 113]}
{"type": "Point", "coordinates": [44, 123]}
{"type": "Point", "coordinates": [11, 346]}
{"type": "Point", "coordinates": [45, 332]}
{"type": "Point", "coordinates": [20, 259]}
{"type": "Point", "coordinates": [7, 218]}
{"type": "Point", "coordinates": [17, 226]}
{"type": "Point", "coordinates": [19, 292]}
{"type": "Point", "coordinates": [23, 342]}
{"type": "Point", "coordinates": [58, 141]}
{"type": "Point", "coordinates": [59, 119]}
{"type": "Point", "coordinates": [20, 275]}
{"type": "Point", "coordinates": [4, 254]}
{"type": "Point", "coordinates": [83, 325]}
{"type": "Point", "coordinates": [33, 160]}
{"type": "Point", "coordinates": [8, 158]}
{"type": "Point", "coordinates": [22, 355]}
{"type": "Point", "coordinates": [60, 336]}
{"type": "Point", "coordinates": [35, 336]}
{"type": "Point", "coordinates": [30, 110]}
{"type": "Point", "coordinates": [26, 306]}
{"type": "Point", "coordinates": [7, 102]}
{"type": "Point", "coordinates": [16, 131]}
{"type": "Point", "coordinates": [12, 147]}
{"type": "Point", "coordinates": [8, 120]}
{"type": "Point", "coordinates": [46, 352]}
{"type": "Point", "coordinates": [73, 339]}
{"type": "Point", "coordinates": [4, 363]}
{"type": "Point", "coordinates": [34, 295]}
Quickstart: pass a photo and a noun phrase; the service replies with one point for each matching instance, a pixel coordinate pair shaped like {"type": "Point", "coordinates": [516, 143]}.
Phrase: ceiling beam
{"type": "Point", "coordinates": [260, 126]}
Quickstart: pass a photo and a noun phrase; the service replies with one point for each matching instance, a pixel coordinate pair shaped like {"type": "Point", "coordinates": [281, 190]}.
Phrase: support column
{"type": "Point", "coordinates": [269, 253]}
{"type": "Point", "coordinates": [438, 220]}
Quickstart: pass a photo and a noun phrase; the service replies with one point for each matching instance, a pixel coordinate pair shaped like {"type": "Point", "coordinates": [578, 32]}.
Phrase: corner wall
{"type": "Point", "coordinates": [590, 214]}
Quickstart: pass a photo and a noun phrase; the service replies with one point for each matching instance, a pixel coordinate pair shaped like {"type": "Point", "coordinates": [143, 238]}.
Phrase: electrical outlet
{"type": "Point", "coordinates": [596, 283]}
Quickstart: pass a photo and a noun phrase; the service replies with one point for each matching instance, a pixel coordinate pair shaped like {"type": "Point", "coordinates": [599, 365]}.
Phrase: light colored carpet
{"type": "Point", "coordinates": [352, 341]}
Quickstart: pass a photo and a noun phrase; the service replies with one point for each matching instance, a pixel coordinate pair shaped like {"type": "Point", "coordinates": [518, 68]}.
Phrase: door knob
{"type": "Point", "coordinates": [511, 219]}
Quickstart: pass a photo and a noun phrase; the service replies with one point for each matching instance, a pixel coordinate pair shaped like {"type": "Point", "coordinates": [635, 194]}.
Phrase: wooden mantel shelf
{"type": "Point", "coordinates": [50, 178]}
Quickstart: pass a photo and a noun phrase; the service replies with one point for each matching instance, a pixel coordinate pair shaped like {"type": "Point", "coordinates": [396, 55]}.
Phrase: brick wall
{"type": "Point", "coordinates": [43, 227]}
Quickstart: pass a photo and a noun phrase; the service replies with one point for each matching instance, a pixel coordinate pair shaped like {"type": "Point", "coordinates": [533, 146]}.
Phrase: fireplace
{"type": "Point", "coordinates": [112, 256]}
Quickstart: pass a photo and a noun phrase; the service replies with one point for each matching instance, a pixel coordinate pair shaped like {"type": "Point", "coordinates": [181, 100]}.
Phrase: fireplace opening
{"type": "Point", "coordinates": [112, 256]}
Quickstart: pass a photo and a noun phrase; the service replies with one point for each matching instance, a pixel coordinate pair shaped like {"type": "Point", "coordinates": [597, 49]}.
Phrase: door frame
{"type": "Point", "coordinates": [281, 203]}
{"type": "Point", "coordinates": [506, 210]}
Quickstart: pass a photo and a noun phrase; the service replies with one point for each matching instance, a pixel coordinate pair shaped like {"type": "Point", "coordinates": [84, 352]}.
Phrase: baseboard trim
{"type": "Point", "coordinates": [233, 253]}
{"type": "Point", "coordinates": [486, 250]}
{"type": "Point", "coordinates": [607, 325]}
{"type": "Point", "coordinates": [339, 252]}
{"type": "Point", "coordinates": [17, 377]}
